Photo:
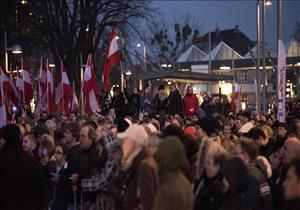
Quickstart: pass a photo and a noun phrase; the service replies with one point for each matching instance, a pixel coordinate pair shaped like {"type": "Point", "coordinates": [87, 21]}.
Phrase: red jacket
{"type": "Point", "coordinates": [190, 105]}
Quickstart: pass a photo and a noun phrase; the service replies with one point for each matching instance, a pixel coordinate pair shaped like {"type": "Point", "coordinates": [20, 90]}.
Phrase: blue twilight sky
{"type": "Point", "coordinates": [230, 13]}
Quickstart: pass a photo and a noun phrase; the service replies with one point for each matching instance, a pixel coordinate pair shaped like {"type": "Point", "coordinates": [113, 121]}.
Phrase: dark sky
{"type": "Point", "coordinates": [227, 14]}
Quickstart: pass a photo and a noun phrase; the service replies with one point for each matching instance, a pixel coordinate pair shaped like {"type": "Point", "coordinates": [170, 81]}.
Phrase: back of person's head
{"type": "Point", "coordinates": [256, 134]}
{"type": "Point", "coordinates": [170, 156]}
{"type": "Point", "coordinates": [12, 136]}
{"type": "Point", "coordinates": [74, 128]}
{"type": "Point", "coordinates": [173, 130]}
{"type": "Point", "coordinates": [249, 147]}
{"type": "Point", "coordinates": [218, 153]}
{"type": "Point", "coordinates": [236, 174]}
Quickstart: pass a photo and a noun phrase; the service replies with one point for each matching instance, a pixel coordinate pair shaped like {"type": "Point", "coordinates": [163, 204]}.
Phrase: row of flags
{"type": "Point", "coordinates": [62, 97]}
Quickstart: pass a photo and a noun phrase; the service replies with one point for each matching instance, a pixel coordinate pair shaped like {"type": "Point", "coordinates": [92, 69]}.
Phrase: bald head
{"type": "Point", "coordinates": [291, 149]}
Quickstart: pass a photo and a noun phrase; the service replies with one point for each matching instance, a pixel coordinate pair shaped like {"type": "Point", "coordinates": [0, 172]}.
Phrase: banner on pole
{"type": "Point", "coordinates": [281, 76]}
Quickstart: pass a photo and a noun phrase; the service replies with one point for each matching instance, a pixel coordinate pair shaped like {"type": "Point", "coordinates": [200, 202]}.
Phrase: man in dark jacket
{"type": "Point", "coordinates": [160, 101]}
{"type": "Point", "coordinates": [292, 186]}
{"type": "Point", "coordinates": [90, 162]}
{"type": "Point", "coordinates": [174, 101]}
{"type": "Point", "coordinates": [22, 182]}
{"type": "Point", "coordinates": [71, 140]}
{"type": "Point", "coordinates": [134, 103]}
{"type": "Point", "coordinates": [258, 194]}
{"type": "Point", "coordinates": [118, 102]}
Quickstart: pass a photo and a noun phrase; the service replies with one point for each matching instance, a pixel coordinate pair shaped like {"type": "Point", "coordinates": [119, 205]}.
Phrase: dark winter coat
{"type": "Point", "coordinates": [73, 158]}
{"type": "Point", "coordinates": [175, 103]}
{"type": "Point", "coordinates": [160, 104]}
{"type": "Point", "coordinates": [235, 172]}
{"type": "Point", "coordinates": [209, 193]}
{"type": "Point", "coordinates": [118, 102]}
{"type": "Point", "coordinates": [22, 184]}
{"type": "Point", "coordinates": [134, 104]}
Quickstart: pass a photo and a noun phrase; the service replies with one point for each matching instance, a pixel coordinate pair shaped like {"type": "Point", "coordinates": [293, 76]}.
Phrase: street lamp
{"type": "Point", "coordinates": [265, 73]}
{"type": "Point", "coordinates": [268, 2]}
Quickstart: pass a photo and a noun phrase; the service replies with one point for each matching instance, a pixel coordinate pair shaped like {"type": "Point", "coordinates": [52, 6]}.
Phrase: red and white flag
{"type": "Point", "coordinates": [281, 63]}
{"type": "Point", "coordinates": [24, 83]}
{"type": "Point", "coordinates": [64, 92]}
{"type": "Point", "coordinates": [235, 102]}
{"type": "Point", "coordinates": [50, 90]}
{"type": "Point", "coordinates": [9, 87]}
{"type": "Point", "coordinates": [90, 88]}
{"type": "Point", "coordinates": [42, 89]}
{"type": "Point", "coordinates": [42, 79]}
{"type": "Point", "coordinates": [2, 102]}
{"type": "Point", "coordinates": [74, 104]}
{"type": "Point", "coordinates": [112, 58]}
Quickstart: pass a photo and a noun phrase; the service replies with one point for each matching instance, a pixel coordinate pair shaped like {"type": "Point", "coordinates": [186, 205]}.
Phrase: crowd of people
{"type": "Point", "coordinates": [145, 152]}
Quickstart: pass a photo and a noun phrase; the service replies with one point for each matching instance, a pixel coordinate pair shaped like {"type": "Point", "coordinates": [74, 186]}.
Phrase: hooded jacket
{"type": "Point", "coordinates": [175, 191]}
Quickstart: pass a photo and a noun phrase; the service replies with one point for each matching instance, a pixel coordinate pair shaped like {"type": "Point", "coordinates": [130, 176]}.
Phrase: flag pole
{"type": "Point", "coordinates": [62, 87]}
{"type": "Point", "coordinates": [22, 66]}
{"type": "Point", "coordinates": [47, 88]}
{"type": "Point", "coordinates": [81, 86]}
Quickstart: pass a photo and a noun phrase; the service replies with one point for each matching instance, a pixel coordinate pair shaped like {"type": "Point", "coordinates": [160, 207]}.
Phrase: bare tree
{"type": "Point", "coordinates": [66, 29]}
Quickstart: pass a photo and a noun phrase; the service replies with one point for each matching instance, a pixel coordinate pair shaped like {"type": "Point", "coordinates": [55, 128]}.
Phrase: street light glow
{"type": "Point", "coordinates": [51, 65]}
{"type": "Point", "coordinates": [268, 3]}
{"type": "Point", "coordinates": [164, 65]}
{"type": "Point", "coordinates": [128, 73]}
{"type": "Point", "coordinates": [298, 64]}
{"type": "Point", "coordinates": [224, 67]}
{"type": "Point", "coordinates": [117, 37]}
{"type": "Point", "coordinates": [138, 45]}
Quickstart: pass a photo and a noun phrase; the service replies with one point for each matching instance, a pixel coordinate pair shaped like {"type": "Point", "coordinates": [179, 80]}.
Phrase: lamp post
{"type": "Point", "coordinates": [265, 73]}
{"type": "Point", "coordinates": [258, 104]}
{"type": "Point", "coordinates": [144, 55]}
{"type": "Point", "coordinates": [16, 49]}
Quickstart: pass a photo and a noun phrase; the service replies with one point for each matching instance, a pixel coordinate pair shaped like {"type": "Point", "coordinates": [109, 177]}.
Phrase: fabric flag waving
{"type": "Point", "coordinates": [43, 82]}
{"type": "Point", "coordinates": [9, 87]}
{"type": "Point", "coordinates": [2, 103]}
{"type": "Point", "coordinates": [235, 102]}
{"type": "Point", "coordinates": [26, 85]}
{"type": "Point", "coordinates": [64, 92]}
{"type": "Point", "coordinates": [281, 63]}
{"type": "Point", "coordinates": [74, 104]}
{"type": "Point", "coordinates": [112, 58]}
{"type": "Point", "coordinates": [90, 88]}
{"type": "Point", "coordinates": [50, 89]}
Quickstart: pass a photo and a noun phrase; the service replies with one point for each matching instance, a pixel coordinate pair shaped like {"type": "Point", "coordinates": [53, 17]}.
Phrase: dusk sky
{"type": "Point", "coordinates": [227, 14]}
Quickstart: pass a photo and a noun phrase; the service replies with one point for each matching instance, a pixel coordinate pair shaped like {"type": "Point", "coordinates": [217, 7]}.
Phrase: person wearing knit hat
{"type": "Point", "coordinates": [141, 166]}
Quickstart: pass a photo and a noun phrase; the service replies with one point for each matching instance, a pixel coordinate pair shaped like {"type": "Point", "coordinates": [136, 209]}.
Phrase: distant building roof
{"type": "Point", "coordinates": [292, 48]}
{"type": "Point", "coordinates": [193, 53]}
{"type": "Point", "coordinates": [253, 52]}
{"type": "Point", "coordinates": [235, 38]}
{"type": "Point", "coordinates": [222, 52]}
